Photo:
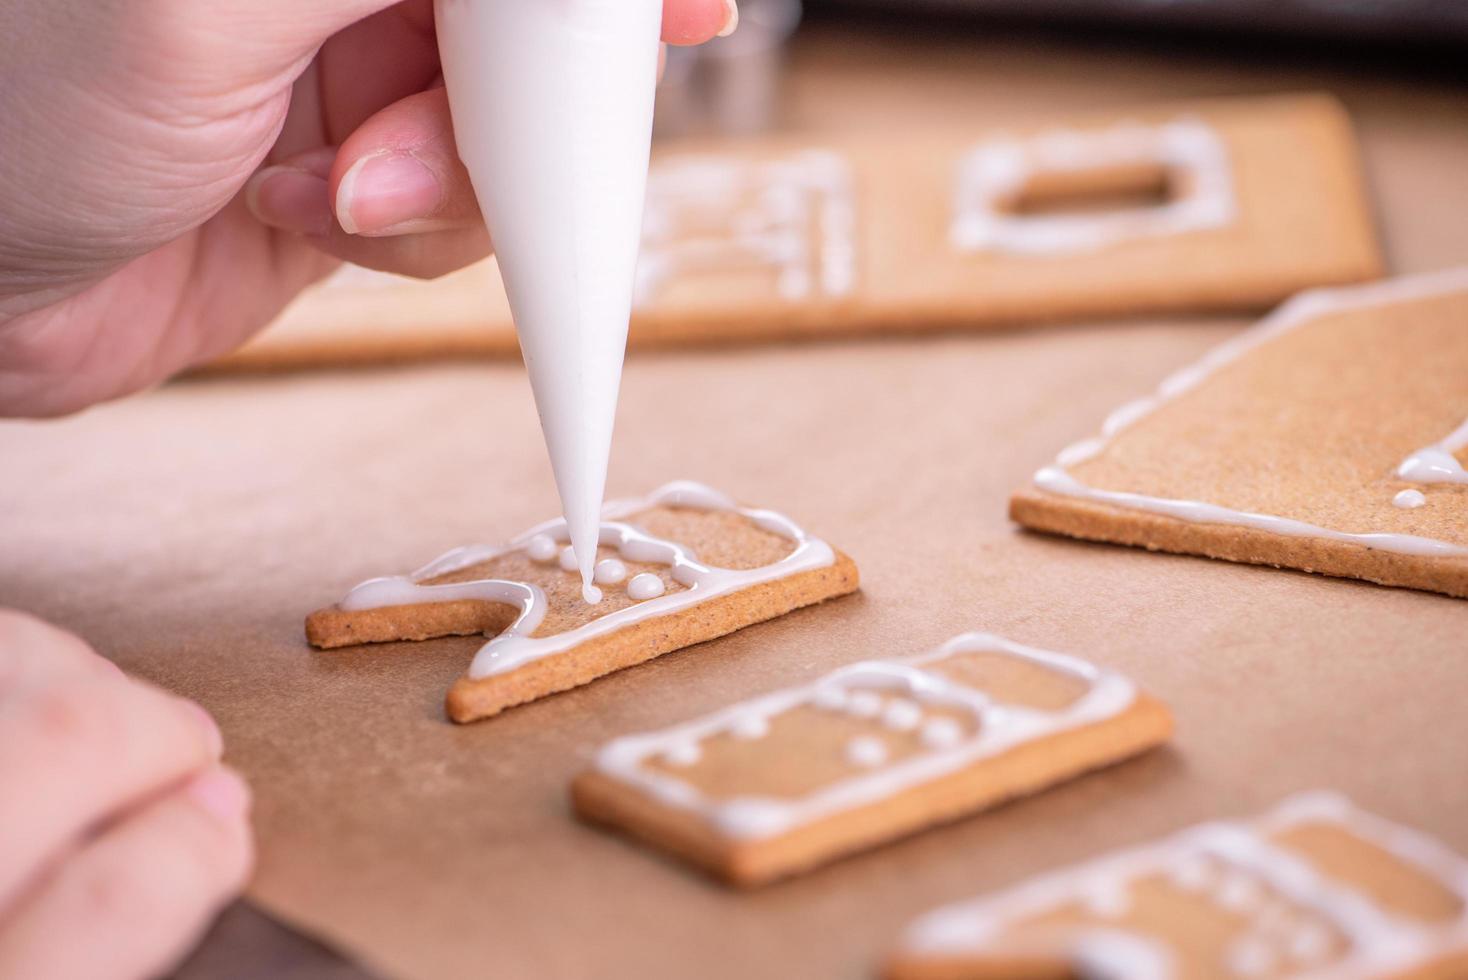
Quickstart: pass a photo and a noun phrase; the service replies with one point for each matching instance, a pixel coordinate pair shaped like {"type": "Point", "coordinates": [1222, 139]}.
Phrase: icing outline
{"type": "Point", "coordinates": [811, 188]}
{"type": "Point", "coordinates": [1378, 941]}
{"type": "Point", "coordinates": [1298, 311]}
{"type": "Point", "coordinates": [515, 646]}
{"type": "Point", "coordinates": [992, 172]}
{"type": "Point", "coordinates": [995, 728]}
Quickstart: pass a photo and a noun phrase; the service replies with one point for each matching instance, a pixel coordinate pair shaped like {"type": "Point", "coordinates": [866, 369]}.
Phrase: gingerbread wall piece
{"type": "Point", "coordinates": [873, 751]}
{"type": "Point", "coordinates": [1227, 204]}
{"type": "Point", "coordinates": [1330, 438]}
{"type": "Point", "coordinates": [1317, 888]}
{"type": "Point", "coordinates": [682, 565]}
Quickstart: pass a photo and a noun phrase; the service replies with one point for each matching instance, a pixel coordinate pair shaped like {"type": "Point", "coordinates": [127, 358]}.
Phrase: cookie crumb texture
{"type": "Point", "coordinates": [871, 752]}
{"type": "Point", "coordinates": [1292, 445]}
{"type": "Point", "coordinates": [1317, 888]}
{"type": "Point", "coordinates": [576, 642]}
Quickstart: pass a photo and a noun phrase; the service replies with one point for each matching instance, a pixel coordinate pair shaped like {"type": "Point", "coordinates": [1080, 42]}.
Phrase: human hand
{"type": "Point", "coordinates": [130, 244]}
{"type": "Point", "coordinates": [121, 834]}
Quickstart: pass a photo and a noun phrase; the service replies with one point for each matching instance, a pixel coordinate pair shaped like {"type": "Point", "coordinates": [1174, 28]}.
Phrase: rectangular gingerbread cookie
{"type": "Point", "coordinates": [683, 565]}
{"type": "Point", "coordinates": [874, 751]}
{"type": "Point", "coordinates": [1330, 438]}
{"type": "Point", "coordinates": [1208, 205]}
{"type": "Point", "coordinates": [1315, 889]}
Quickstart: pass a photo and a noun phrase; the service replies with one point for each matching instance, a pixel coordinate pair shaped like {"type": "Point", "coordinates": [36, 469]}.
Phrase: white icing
{"type": "Point", "coordinates": [864, 704]}
{"type": "Point", "coordinates": [542, 548]}
{"type": "Point", "coordinates": [517, 646]}
{"type": "Point", "coordinates": [750, 727]}
{"type": "Point", "coordinates": [710, 215]}
{"type": "Point", "coordinates": [1437, 463]}
{"type": "Point", "coordinates": [866, 751]}
{"type": "Point", "coordinates": [1378, 941]}
{"type": "Point", "coordinates": [941, 733]}
{"type": "Point", "coordinates": [993, 172]}
{"type": "Point", "coordinates": [1303, 309]}
{"type": "Point", "coordinates": [830, 699]}
{"type": "Point", "coordinates": [992, 730]}
{"type": "Point", "coordinates": [902, 715]}
{"type": "Point", "coordinates": [568, 560]}
{"type": "Point", "coordinates": [645, 585]}
{"type": "Point", "coordinates": [1409, 499]}
{"type": "Point", "coordinates": [609, 571]}
{"type": "Point", "coordinates": [552, 111]}
{"type": "Point", "coordinates": [682, 754]}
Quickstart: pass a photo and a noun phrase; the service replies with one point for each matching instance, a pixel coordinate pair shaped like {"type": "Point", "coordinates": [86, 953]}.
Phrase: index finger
{"type": "Point", "coordinates": [696, 21]}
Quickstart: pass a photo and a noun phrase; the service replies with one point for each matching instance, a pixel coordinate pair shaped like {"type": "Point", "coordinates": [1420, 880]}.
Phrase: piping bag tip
{"type": "Point", "coordinates": [590, 593]}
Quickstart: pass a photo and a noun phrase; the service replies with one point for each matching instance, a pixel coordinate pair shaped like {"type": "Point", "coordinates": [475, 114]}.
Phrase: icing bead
{"type": "Point", "coordinates": [941, 733]}
{"type": "Point", "coordinates": [866, 751]}
{"type": "Point", "coordinates": [541, 548]}
{"type": "Point", "coordinates": [864, 704]}
{"type": "Point", "coordinates": [644, 586]}
{"type": "Point", "coordinates": [1409, 499]}
{"type": "Point", "coordinates": [902, 715]}
{"type": "Point", "coordinates": [609, 571]}
{"type": "Point", "coordinates": [749, 727]}
{"type": "Point", "coordinates": [568, 559]}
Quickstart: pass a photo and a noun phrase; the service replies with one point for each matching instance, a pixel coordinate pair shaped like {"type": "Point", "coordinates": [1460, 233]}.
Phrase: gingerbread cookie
{"type": "Point", "coordinates": [1316, 888]}
{"type": "Point", "coordinates": [683, 565]}
{"type": "Point", "coordinates": [1330, 438]}
{"type": "Point", "coordinates": [1210, 205]}
{"type": "Point", "coordinates": [871, 752]}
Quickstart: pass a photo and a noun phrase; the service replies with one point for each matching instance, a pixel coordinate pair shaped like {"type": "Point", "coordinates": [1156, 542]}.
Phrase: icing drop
{"type": "Point", "coordinates": [864, 704]}
{"type": "Point", "coordinates": [1436, 463]}
{"type": "Point", "coordinates": [609, 571]}
{"type": "Point", "coordinates": [1409, 499]}
{"type": "Point", "coordinates": [941, 733]}
{"type": "Point", "coordinates": [645, 585]}
{"type": "Point", "coordinates": [1238, 893]}
{"type": "Point", "coordinates": [568, 559]}
{"type": "Point", "coordinates": [542, 548]}
{"type": "Point", "coordinates": [902, 715]}
{"type": "Point", "coordinates": [866, 751]}
{"type": "Point", "coordinates": [750, 727]}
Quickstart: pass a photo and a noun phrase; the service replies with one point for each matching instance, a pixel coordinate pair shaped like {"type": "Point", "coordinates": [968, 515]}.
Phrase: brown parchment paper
{"type": "Point", "coordinates": [187, 532]}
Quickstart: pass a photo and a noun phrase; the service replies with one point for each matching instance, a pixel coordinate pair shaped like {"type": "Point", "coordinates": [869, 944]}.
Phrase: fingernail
{"type": "Point", "coordinates": [221, 793]}
{"type": "Point", "coordinates": [210, 727]}
{"type": "Point", "coordinates": [290, 199]}
{"type": "Point", "coordinates": [731, 19]}
{"type": "Point", "coordinates": [385, 190]}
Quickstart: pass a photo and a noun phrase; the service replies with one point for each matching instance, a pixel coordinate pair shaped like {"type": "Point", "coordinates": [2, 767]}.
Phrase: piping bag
{"type": "Point", "coordinates": [552, 108]}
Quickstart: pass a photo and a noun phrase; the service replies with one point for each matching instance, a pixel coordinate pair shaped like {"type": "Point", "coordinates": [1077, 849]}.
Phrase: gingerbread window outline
{"type": "Point", "coordinates": [1191, 157]}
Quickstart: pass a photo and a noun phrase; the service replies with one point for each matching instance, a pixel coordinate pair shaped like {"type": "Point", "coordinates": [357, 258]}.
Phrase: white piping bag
{"type": "Point", "coordinates": [552, 107]}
